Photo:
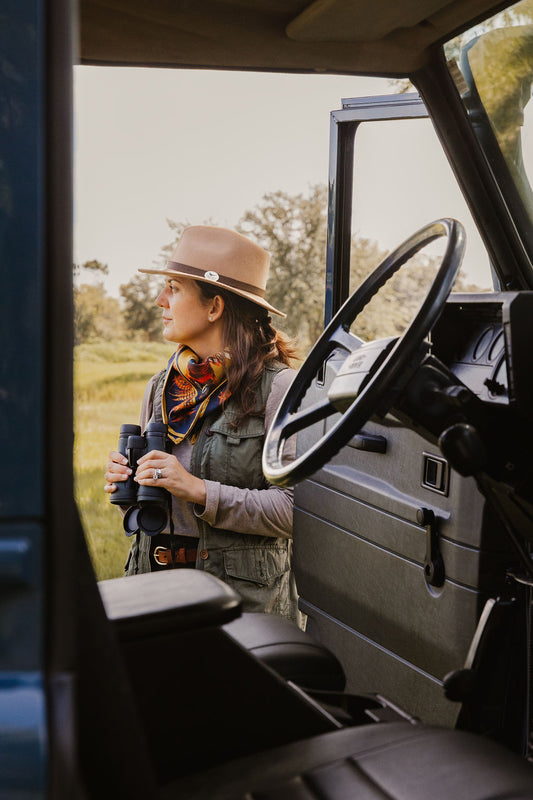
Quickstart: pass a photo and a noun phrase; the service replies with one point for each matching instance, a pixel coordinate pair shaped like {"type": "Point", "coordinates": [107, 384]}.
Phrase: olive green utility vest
{"type": "Point", "coordinates": [229, 450]}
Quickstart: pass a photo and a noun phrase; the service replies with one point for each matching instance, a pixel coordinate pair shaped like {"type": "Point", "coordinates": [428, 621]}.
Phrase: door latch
{"type": "Point", "coordinates": [433, 563]}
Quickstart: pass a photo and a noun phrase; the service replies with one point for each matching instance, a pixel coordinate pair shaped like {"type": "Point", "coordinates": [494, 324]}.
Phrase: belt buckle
{"type": "Point", "coordinates": [156, 556]}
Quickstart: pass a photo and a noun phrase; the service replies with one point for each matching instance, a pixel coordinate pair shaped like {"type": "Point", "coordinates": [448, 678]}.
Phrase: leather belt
{"type": "Point", "coordinates": [163, 555]}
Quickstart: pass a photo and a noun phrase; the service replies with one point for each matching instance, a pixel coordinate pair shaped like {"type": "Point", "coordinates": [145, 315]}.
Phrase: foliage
{"type": "Point", "coordinates": [516, 15]}
{"type": "Point", "coordinates": [92, 266]}
{"type": "Point", "coordinates": [519, 14]}
{"type": "Point", "coordinates": [391, 310]}
{"type": "Point", "coordinates": [501, 66]}
{"type": "Point", "coordinates": [140, 312]}
{"type": "Point", "coordinates": [97, 316]}
{"type": "Point", "coordinates": [401, 85]}
{"type": "Point", "coordinates": [293, 230]}
{"type": "Point", "coordinates": [491, 65]}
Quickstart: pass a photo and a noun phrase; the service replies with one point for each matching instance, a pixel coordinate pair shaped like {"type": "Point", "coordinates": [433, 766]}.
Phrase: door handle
{"type": "Point", "coordinates": [372, 443]}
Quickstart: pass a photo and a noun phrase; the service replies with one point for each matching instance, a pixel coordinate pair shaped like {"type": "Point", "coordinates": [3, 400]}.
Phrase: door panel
{"type": "Point", "coordinates": [360, 552]}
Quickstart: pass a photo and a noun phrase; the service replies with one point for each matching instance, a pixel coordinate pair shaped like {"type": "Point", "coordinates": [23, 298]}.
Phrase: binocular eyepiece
{"type": "Point", "coordinates": [148, 506]}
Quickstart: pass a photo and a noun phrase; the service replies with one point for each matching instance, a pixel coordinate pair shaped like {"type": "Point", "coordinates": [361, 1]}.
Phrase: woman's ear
{"type": "Point", "coordinates": [216, 308]}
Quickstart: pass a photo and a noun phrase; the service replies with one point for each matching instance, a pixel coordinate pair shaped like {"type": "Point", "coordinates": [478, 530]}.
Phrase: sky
{"type": "Point", "coordinates": [204, 146]}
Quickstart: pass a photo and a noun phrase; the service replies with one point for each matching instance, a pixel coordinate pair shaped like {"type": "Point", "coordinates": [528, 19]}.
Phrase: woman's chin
{"type": "Point", "coordinates": [167, 334]}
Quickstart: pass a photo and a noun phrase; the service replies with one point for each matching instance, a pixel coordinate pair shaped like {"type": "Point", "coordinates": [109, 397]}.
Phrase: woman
{"type": "Point", "coordinates": [218, 395]}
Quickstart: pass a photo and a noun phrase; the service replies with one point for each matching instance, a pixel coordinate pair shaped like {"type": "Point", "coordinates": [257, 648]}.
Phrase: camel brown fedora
{"type": "Point", "coordinates": [221, 257]}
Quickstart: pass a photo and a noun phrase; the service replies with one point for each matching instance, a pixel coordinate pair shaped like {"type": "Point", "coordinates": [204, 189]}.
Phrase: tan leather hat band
{"type": "Point", "coordinates": [214, 277]}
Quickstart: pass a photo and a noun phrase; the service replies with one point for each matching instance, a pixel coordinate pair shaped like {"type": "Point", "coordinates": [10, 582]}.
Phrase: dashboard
{"type": "Point", "coordinates": [485, 341]}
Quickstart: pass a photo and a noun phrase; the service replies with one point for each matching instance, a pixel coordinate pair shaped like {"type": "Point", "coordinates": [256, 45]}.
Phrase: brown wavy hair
{"type": "Point", "coordinates": [253, 341]}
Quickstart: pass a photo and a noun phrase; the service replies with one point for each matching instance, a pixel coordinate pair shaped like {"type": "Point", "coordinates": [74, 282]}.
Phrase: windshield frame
{"type": "Point", "coordinates": [505, 163]}
{"type": "Point", "coordinates": [495, 205]}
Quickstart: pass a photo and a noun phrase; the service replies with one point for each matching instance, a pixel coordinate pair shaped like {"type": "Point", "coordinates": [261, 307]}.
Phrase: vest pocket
{"type": "Point", "coordinates": [260, 575]}
{"type": "Point", "coordinates": [233, 453]}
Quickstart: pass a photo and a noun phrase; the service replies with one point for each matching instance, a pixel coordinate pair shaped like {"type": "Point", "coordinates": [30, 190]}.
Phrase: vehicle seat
{"type": "Point", "coordinates": [289, 651]}
{"type": "Point", "coordinates": [243, 706]}
{"type": "Point", "coordinates": [388, 761]}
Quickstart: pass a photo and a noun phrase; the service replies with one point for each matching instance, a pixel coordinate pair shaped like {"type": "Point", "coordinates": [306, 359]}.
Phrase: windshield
{"type": "Point", "coordinates": [492, 66]}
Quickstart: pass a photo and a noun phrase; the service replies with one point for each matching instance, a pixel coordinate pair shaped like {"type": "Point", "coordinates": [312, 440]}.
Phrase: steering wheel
{"type": "Point", "coordinates": [373, 372]}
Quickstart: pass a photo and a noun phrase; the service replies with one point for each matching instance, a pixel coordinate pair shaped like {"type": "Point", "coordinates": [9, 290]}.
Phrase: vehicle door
{"type": "Point", "coordinates": [396, 553]}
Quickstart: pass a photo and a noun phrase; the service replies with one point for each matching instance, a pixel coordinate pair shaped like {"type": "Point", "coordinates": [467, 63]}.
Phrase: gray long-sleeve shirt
{"type": "Point", "coordinates": [265, 512]}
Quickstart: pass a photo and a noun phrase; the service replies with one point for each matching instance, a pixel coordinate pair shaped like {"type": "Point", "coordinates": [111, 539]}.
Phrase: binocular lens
{"type": "Point", "coordinates": [151, 520]}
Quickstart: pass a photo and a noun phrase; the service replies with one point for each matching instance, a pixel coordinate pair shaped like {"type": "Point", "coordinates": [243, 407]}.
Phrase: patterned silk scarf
{"type": "Point", "coordinates": [192, 388]}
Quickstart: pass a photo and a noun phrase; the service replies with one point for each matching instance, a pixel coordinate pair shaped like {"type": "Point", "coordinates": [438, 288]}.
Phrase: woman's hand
{"type": "Point", "coordinates": [174, 477]}
{"type": "Point", "coordinates": [117, 470]}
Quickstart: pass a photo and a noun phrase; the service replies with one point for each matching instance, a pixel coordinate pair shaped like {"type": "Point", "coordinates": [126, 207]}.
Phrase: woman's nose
{"type": "Point", "coordinates": [161, 299]}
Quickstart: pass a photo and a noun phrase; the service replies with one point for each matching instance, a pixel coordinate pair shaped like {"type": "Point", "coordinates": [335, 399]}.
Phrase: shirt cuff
{"type": "Point", "coordinates": [212, 498]}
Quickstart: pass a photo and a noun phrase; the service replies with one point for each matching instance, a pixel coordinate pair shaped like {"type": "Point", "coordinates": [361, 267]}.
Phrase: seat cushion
{"type": "Point", "coordinates": [292, 653]}
{"type": "Point", "coordinates": [387, 761]}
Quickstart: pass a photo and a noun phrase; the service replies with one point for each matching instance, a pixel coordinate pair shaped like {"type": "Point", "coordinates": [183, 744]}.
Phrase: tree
{"type": "Point", "coordinates": [96, 315]}
{"type": "Point", "coordinates": [391, 310]}
{"type": "Point", "coordinates": [292, 228]}
{"type": "Point", "coordinates": [141, 315]}
{"type": "Point", "coordinates": [93, 267]}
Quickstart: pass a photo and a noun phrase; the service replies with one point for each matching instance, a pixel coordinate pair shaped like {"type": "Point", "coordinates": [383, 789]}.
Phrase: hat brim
{"type": "Point", "coordinates": [172, 273]}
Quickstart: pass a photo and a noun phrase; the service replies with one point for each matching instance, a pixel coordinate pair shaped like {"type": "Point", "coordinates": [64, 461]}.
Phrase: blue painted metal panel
{"type": "Point", "coordinates": [23, 719]}
{"type": "Point", "coordinates": [22, 736]}
{"type": "Point", "coordinates": [21, 598]}
{"type": "Point", "coordinates": [22, 183]}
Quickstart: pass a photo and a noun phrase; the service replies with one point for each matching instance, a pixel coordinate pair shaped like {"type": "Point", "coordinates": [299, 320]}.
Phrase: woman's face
{"type": "Point", "coordinates": [188, 318]}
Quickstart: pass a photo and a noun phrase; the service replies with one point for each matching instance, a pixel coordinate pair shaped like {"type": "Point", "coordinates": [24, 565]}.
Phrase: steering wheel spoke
{"type": "Point", "coordinates": [306, 417]}
{"type": "Point", "coordinates": [398, 359]}
{"type": "Point", "coordinates": [344, 338]}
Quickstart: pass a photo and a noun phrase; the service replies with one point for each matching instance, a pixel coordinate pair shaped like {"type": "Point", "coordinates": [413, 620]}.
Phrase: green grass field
{"type": "Point", "coordinates": [109, 381]}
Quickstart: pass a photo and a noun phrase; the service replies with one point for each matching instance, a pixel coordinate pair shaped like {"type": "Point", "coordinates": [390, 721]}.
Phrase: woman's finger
{"type": "Point", "coordinates": [117, 457]}
{"type": "Point", "coordinates": [157, 455]}
{"type": "Point", "coordinates": [116, 472]}
{"type": "Point", "coordinates": [151, 473]}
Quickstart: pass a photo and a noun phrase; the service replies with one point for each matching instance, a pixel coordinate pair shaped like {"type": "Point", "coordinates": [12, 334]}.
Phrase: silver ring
{"type": "Point", "coordinates": [157, 474]}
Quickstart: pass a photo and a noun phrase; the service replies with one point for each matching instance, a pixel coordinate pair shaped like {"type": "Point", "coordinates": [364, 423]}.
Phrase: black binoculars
{"type": "Point", "coordinates": [148, 506]}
